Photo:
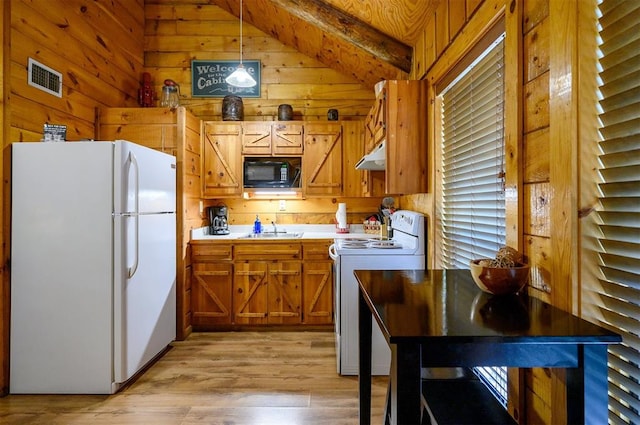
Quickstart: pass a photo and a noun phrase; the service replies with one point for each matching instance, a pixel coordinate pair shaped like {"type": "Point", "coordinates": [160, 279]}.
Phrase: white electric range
{"type": "Point", "coordinates": [405, 250]}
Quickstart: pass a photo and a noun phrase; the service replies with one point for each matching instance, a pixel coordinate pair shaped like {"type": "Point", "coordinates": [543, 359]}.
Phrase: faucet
{"type": "Point", "coordinates": [275, 228]}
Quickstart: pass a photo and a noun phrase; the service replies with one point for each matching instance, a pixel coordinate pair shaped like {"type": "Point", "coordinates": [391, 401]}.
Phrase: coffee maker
{"type": "Point", "coordinates": [218, 224]}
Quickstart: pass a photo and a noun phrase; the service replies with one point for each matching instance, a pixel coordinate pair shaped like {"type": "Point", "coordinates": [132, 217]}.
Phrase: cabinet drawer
{"type": "Point", "coordinates": [268, 251]}
{"type": "Point", "coordinates": [316, 251]}
{"type": "Point", "coordinates": [211, 251]}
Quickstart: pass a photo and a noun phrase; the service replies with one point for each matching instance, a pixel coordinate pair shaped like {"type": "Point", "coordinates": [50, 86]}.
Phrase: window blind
{"type": "Point", "coordinates": [471, 204]}
{"type": "Point", "coordinates": [614, 301]}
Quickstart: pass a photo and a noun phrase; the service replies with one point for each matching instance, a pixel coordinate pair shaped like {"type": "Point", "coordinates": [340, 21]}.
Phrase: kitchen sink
{"type": "Point", "coordinates": [272, 235]}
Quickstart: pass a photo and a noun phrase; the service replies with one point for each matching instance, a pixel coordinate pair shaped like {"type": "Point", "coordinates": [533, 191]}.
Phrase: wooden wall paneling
{"type": "Point", "coordinates": [514, 174]}
{"type": "Point", "coordinates": [84, 34]}
{"type": "Point", "coordinates": [540, 379]}
{"type": "Point", "coordinates": [419, 62]}
{"type": "Point", "coordinates": [535, 11]}
{"type": "Point", "coordinates": [536, 159]}
{"type": "Point", "coordinates": [98, 49]}
{"type": "Point", "coordinates": [73, 102]}
{"type": "Point", "coordinates": [536, 156]}
{"type": "Point", "coordinates": [536, 50]}
{"type": "Point", "coordinates": [536, 200]}
{"type": "Point", "coordinates": [472, 5]}
{"type": "Point", "coordinates": [563, 139]}
{"type": "Point", "coordinates": [177, 35]}
{"type": "Point", "coordinates": [537, 251]}
{"type": "Point", "coordinates": [442, 27]}
{"type": "Point", "coordinates": [538, 411]}
{"type": "Point", "coordinates": [457, 16]}
{"type": "Point", "coordinates": [563, 135]}
{"type": "Point", "coordinates": [297, 211]}
{"type": "Point", "coordinates": [430, 43]}
{"type": "Point", "coordinates": [536, 103]}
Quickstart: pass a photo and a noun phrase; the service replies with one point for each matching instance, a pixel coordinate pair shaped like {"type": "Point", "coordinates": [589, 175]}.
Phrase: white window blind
{"type": "Point", "coordinates": [614, 301]}
{"type": "Point", "coordinates": [471, 204]}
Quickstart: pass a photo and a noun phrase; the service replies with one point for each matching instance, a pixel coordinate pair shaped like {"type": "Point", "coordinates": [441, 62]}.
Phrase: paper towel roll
{"type": "Point", "coordinates": [341, 216]}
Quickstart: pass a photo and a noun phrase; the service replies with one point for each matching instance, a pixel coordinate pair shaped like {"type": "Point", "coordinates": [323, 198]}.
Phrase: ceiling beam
{"type": "Point", "coordinates": [350, 29]}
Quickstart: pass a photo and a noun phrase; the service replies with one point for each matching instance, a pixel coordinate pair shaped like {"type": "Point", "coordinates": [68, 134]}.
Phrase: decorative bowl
{"type": "Point", "coordinates": [499, 280]}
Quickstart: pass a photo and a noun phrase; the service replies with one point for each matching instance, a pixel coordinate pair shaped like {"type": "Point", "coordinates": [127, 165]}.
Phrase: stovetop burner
{"type": "Point", "coordinates": [355, 243]}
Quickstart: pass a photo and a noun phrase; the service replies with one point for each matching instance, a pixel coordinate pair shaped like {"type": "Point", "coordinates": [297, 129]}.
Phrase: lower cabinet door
{"type": "Point", "coordinates": [250, 286]}
{"type": "Point", "coordinates": [285, 292]}
{"type": "Point", "coordinates": [317, 292]}
{"type": "Point", "coordinates": [211, 293]}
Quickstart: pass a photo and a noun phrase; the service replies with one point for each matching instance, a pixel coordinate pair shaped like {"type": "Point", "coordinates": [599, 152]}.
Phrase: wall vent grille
{"type": "Point", "coordinates": [45, 78]}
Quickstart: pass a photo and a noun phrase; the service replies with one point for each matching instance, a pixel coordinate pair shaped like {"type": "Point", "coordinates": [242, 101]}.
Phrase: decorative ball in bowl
{"type": "Point", "coordinates": [499, 280]}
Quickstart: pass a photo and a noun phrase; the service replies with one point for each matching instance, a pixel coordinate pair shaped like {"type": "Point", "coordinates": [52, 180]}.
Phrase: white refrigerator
{"type": "Point", "coordinates": [93, 264]}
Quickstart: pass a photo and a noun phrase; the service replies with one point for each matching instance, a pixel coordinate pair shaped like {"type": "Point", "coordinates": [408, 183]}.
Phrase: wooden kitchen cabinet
{"type": "Point", "coordinates": [272, 138]}
{"type": "Point", "coordinates": [284, 292]}
{"type": "Point", "coordinates": [375, 122]}
{"type": "Point", "coordinates": [317, 284]}
{"type": "Point", "coordinates": [211, 293]}
{"type": "Point", "coordinates": [248, 283]}
{"type": "Point", "coordinates": [250, 293]}
{"type": "Point", "coordinates": [267, 292]}
{"type": "Point", "coordinates": [221, 159]}
{"type": "Point", "coordinates": [177, 132]}
{"type": "Point", "coordinates": [211, 284]}
{"type": "Point", "coordinates": [399, 117]}
{"type": "Point", "coordinates": [267, 283]}
{"type": "Point", "coordinates": [322, 160]}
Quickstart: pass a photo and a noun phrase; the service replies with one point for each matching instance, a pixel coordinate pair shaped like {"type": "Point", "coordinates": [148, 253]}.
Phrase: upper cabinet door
{"type": "Point", "coordinates": [406, 135]}
{"type": "Point", "coordinates": [221, 160]}
{"type": "Point", "coordinates": [322, 160]}
{"type": "Point", "coordinates": [256, 138]}
{"type": "Point", "coordinates": [286, 139]}
{"type": "Point", "coordinates": [375, 125]}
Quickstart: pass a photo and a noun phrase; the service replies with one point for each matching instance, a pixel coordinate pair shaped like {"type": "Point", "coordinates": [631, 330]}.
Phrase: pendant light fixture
{"type": "Point", "coordinates": [240, 77]}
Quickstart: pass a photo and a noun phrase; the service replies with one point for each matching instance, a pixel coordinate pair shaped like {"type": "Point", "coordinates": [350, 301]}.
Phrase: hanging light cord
{"type": "Point", "coordinates": [240, 32]}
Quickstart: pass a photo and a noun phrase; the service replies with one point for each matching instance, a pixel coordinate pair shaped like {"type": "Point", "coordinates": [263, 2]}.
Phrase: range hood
{"type": "Point", "coordinates": [374, 160]}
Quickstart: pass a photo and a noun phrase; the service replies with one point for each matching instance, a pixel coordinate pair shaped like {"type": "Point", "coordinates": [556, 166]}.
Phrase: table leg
{"type": "Point", "coordinates": [405, 384]}
{"type": "Point", "coordinates": [587, 398]}
{"type": "Point", "coordinates": [364, 365]}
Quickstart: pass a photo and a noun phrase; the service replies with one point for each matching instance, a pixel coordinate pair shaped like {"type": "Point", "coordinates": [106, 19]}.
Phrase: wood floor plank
{"type": "Point", "coordinates": [226, 378]}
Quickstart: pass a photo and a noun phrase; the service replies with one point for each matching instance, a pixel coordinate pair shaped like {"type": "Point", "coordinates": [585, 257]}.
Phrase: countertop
{"type": "Point", "coordinates": [309, 231]}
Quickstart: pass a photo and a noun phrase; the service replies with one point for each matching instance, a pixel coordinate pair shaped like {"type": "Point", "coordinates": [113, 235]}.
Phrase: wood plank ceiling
{"type": "Point", "coordinates": [369, 40]}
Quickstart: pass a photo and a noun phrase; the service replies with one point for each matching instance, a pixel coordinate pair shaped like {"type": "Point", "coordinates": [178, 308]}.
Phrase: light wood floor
{"type": "Point", "coordinates": [230, 378]}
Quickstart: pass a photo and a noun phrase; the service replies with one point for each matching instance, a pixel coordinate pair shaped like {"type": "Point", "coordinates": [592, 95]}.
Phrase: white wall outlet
{"type": "Point", "coordinates": [201, 207]}
{"type": "Point", "coordinates": [282, 206]}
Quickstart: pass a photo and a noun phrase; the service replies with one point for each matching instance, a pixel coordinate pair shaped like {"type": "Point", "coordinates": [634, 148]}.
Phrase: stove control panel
{"type": "Point", "coordinates": [407, 221]}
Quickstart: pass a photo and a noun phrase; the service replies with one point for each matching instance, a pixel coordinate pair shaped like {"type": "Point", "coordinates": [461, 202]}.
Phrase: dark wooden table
{"type": "Point", "coordinates": [439, 318]}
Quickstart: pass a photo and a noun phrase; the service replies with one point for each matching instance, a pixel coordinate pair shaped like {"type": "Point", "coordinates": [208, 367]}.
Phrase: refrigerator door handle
{"type": "Point", "coordinates": [136, 211]}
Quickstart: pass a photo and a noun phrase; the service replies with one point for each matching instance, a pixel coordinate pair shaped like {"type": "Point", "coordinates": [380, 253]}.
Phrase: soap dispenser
{"type": "Point", "coordinates": [257, 226]}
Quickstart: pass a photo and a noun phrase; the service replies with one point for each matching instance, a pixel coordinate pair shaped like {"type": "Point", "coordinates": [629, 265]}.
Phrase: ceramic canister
{"type": "Point", "coordinates": [285, 112]}
{"type": "Point", "coordinates": [232, 108]}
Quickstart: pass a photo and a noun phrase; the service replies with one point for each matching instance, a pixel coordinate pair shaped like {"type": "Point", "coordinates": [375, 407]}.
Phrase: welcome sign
{"type": "Point", "coordinates": [208, 78]}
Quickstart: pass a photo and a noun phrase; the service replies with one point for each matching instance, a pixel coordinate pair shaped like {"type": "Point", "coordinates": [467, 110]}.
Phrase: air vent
{"type": "Point", "coordinates": [45, 78]}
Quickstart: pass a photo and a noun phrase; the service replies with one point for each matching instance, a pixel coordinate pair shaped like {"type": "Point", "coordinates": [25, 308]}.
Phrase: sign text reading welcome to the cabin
{"type": "Point", "coordinates": [208, 78]}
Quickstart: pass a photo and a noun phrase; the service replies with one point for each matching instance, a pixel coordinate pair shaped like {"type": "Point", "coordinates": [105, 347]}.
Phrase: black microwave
{"type": "Point", "coordinates": [270, 172]}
